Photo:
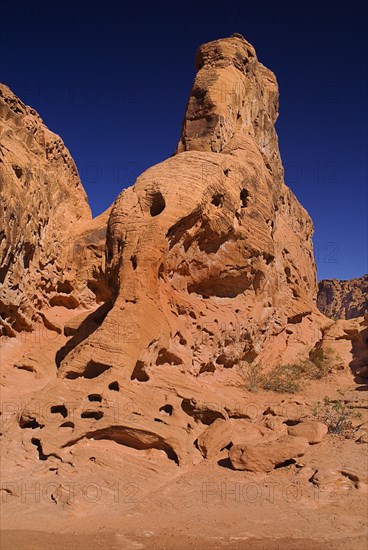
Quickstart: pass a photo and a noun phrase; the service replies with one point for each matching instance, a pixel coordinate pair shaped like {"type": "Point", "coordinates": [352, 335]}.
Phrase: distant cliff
{"type": "Point", "coordinates": [343, 299]}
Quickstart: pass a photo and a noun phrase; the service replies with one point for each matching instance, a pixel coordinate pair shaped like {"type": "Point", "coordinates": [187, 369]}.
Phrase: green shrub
{"type": "Point", "coordinates": [335, 414]}
{"type": "Point", "coordinates": [323, 362]}
{"type": "Point", "coordinates": [284, 378]}
{"type": "Point", "coordinates": [252, 375]}
{"type": "Point", "coordinates": [289, 377]}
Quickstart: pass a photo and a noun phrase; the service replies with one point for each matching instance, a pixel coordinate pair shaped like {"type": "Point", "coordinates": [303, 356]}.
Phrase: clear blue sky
{"type": "Point", "coordinates": [112, 78]}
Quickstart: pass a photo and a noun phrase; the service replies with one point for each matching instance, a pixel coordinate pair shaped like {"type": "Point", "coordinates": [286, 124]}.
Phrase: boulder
{"type": "Point", "coordinates": [217, 436]}
{"type": "Point", "coordinates": [264, 457]}
{"type": "Point", "coordinates": [312, 430]}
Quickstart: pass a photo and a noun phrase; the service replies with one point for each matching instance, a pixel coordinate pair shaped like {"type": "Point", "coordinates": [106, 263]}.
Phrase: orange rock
{"type": "Point", "coordinates": [263, 457]}
{"type": "Point", "coordinates": [51, 253]}
{"type": "Point", "coordinates": [312, 430]}
{"type": "Point", "coordinates": [215, 438]}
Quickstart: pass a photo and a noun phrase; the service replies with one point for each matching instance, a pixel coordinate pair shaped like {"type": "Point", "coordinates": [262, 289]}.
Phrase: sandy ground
{"type": "Point", "coordinates": [36, 540]}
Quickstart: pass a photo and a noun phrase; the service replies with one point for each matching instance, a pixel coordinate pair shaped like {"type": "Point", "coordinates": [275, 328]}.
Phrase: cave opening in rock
{"type": "Point", "coordinates": [96, 415]}
{"type": "Point", "coordinates": [139, 373]}
{"type": "Point", "coordinates": [217, 199]}
{"type": "Point", "coordinates": [59, 409]}
{"type": "Point", "coordinates": [244, 195]}
{"type": "Point", "coordinates": [95, 397]}
{"type": "Point", "coordinates": [168, 409]}
{"type": "Point", "coordinates": [158, 204]}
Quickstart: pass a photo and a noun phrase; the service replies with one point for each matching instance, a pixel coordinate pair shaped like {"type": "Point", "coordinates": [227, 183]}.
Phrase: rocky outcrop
{"type": "Point", "coordinates": [343, 299]}
{"type": "Point", "coordinates": [209, 262]}
{"type": "Point", "coordinates": [47, 236]}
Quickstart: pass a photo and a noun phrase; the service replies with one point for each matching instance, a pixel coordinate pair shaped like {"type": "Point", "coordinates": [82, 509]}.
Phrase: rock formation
{"type": "Point", "coordinates": [343, 299]}
{"type": "Point", "coordinates": [45, 222]}
{"type": "Point", "coordinates": [126, 409]}
{"type": "Point", "coordinates": [210, 264]}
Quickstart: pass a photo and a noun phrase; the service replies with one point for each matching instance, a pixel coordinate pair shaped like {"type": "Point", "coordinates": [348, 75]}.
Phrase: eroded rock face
{"type": "Point", "coordinates": [210, 263]}
{"type": "Point", "coordinates": [46, 226]}
{"type": "Point", "coordinates": [343, 299]}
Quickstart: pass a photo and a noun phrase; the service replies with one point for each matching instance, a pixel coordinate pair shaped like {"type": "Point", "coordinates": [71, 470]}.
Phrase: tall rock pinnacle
{"type": "Point", "coordinates": [233, 96]}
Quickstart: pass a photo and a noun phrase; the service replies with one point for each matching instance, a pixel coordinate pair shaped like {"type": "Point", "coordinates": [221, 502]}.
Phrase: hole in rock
{"type": "Point", "coordinates": [114, 386]}
{"type": "Point", "coordinates": [165, 356]}
{"type": "Point", "coordinates": [161, 270]}
{"type": "Point", "coordinates": [92, 370]}
{"type": "Point", "coordinates": [18, 171]}
{"type": "Point", "coordinates": [168, 409]}
{"type": "Point", "coordinates": [286, 463]}
{"type": "Point", "coordinates": [354, 478]}
{"type": "Point", "coordinates": [207, 367]}
{"type": "Point", "coordinates": [226, 172]}
{"type": "Point", "coordinates": [225, 463]}
{"type": "Point", "coordinates": [130, 437]}
{"type": "Point", "coordinates": [29, 422]}
{"type": "Point", "coordinates": [95, 397]}
{"type": "Point", "coordinates": [158, 204]}
{"type": "Point", "coordinates": [29, 250]}
{"type": "Point", "coordinates": [96, 415]}
{"type": "Point", "coordinates": [67, 301]}
{"type": "Point", "coordinates": [268, 257]}
{"type": "Point", "coordinates": [200, 412]}
{"type": "Point", "coordinates": [133, 259]}
{"type": "Point", "coordinates": [59, 409]}
{"type": "Point", "coordinates": [244, 194]}
{"type": "Point", "coordinates": [159, 420]}
{"type": "Point", "coordinates": [37, 444]}
{"type": "Point", "coordinates": [217, 200]}
{"type": "Point", "coordinates": [67, 425]}
{"type": "Point", "coordinates": [27, 368]}
{"type": "Point", "coordinates": [226, 361]}
{"type": "Point", "coordinates": [182, 340]}
{"type": "Point", "coordinates": [291, 422]}
{"type": "Point", "coordinates": [139, 373]}
{"type": "Point", "coordinates": [65, 287]}
{"type": "Point", "coordinates": [92, 458]}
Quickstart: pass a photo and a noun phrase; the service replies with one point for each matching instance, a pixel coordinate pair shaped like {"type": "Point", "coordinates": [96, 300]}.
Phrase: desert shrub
{"type": "Point", "coordinates": [286, 378]}
{"type": "Point", "coordinates": [322, 362]}
{"type": "Point", "coordinates": [336, 415]}
{"type": "Point", "coordinates": [290, 377]}
{"type": "Point", "coordinates": [252, 375]}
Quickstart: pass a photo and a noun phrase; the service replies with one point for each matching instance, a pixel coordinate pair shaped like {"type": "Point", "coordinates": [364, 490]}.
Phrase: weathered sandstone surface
{"type": "Point", "coordinates": [51, 252]}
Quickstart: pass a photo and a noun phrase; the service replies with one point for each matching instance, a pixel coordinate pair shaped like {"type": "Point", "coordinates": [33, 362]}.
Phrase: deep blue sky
{"type": "Point", "coordinates": [112, 78]}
